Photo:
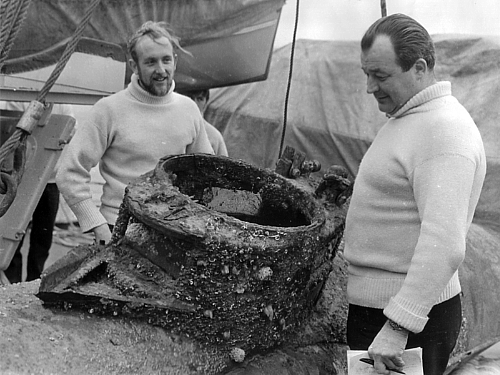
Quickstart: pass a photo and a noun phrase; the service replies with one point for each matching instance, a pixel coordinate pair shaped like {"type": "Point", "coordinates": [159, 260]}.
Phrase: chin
{"type": "Point", "coordinates": [387, 109]}
{"type": "Point", "coordinates": [159, 90]}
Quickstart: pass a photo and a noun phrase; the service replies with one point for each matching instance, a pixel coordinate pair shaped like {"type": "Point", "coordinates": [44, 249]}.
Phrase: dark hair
{"type": "Point", "coordinates": [154, 30]}
{"type": "Point", "coordinates": [205, 93]}
{"type": "Point", "coordinates": [410, 40]}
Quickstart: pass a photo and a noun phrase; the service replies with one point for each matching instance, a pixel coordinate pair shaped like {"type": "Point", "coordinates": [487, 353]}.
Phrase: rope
{"type": "Point", "coordinates": [7, 16]}
{"type": "Point", "coordinates": [285, 114]}
{"type": "Point", "coordinates": [19, 15]}
{"type": "Point", "coordinates": [70, 48]}
{"type": "Point", "coordinates": [13, 16]}
{"type": "Point", "coordinates": [383, 8]}
{"type": "Point", "coordinates": [19, 135]}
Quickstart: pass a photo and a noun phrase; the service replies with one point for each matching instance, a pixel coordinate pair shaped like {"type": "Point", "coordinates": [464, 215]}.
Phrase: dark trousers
{"type": "Point", "coordinates": [437, 340]}
{"type": "Point", "coordinates": [42, 226]}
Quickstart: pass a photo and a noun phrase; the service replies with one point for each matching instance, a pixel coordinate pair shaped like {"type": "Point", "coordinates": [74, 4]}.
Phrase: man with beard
{"type": "Point", "coordinates": [412, 204]}
{"type": "Point", "coordinates": [128, 132]}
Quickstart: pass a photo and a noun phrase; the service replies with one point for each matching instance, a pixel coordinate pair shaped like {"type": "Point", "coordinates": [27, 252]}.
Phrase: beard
{"type": "Point", "coordinates": [156, 88]}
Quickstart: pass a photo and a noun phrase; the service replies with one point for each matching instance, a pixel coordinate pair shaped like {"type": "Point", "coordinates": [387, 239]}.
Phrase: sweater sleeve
{"type": "Point", "coordinates": [73, 176]}
{"type": "Point", "coordinates": [442, 188]}
{"type": "Point", "coordinates": [201, 143]}
{"type": "Point", "coordinates": [216, 139]}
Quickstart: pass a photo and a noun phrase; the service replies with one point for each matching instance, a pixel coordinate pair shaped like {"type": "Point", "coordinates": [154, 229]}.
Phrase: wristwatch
{"type": "Point", "coordinates": [395, 326]}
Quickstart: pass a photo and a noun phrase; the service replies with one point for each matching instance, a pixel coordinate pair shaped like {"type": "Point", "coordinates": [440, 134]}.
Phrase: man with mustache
{"type": "Point", "coordinates": [128, 132]}
{"type": "Point", "coordinates": [413, 202]}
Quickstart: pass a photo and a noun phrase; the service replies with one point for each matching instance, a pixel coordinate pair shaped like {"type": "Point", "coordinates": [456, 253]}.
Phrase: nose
{"type": "Point", "coordinates": [160, 68]}
{"type": "Point", "coordinates": [371, 84]}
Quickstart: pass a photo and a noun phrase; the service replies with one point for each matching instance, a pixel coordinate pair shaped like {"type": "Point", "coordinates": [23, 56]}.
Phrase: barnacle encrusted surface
{"type": "Point", "coordinates": [238, 254]}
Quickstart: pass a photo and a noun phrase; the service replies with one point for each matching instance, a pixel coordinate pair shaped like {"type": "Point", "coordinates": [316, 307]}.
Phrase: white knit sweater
{"type": "Point", "coordinates": [126, 134]}
{"type": "Point", "coordinates": [412, 205]}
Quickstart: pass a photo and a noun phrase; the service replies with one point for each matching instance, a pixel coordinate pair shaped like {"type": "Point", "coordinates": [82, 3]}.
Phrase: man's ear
{"type": "Point", "coordinates": [421, 67]}
{"type": "Point", "coordinates": [133, 65]}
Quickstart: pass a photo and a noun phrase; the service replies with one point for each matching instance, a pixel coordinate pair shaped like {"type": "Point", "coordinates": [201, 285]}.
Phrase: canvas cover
{"type": "Point", "coordinates": [220, 34]}
{"type": "Point", "coordinates": [329, 116]}
{"type": "Point", "coordinates": [333, 120]}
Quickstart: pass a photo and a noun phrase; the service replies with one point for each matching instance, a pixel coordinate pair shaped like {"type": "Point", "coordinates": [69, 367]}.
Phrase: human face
{"type": "Point", "coordinates": [155, 64]}
{"type": "Point", "coordinates": [390, 86]}
{"type": "Point", "coordinates": [201, 102]}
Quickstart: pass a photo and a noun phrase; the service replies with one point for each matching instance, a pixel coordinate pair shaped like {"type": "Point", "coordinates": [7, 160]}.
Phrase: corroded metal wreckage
{"type": "Point", "coordinates": [213, 248]}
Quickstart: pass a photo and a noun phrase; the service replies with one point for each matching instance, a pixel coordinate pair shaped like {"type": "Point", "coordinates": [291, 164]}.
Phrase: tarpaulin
{"type": "Point", "coordinates": [231, 40]}
{"type": "Point", "coordinates": [332, 119]}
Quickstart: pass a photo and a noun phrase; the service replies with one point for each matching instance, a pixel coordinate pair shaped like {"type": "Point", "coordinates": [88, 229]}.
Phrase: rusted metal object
{"type": "Point", "coordinates": [214, 248]}
{"type": "Point", "coordinates": [335, 185]}
{"type": "Point", "coordinates": [294, 164]}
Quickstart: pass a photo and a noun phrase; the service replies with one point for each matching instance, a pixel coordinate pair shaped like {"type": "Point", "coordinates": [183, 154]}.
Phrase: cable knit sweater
{"type": "Point", "coordinates": [126, 134]}
{"type": "Point", "coordinates": [412, 205]}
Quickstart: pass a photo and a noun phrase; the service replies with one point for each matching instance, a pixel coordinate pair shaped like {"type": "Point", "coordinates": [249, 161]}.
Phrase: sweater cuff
{"type": "Point", "coordinates": [88, 215]}
{"type": "Point", "coordinates": [408, 314]}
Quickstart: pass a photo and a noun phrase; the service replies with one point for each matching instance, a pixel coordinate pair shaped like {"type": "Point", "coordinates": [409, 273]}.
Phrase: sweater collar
{"type": "Point", "coordinates": [143, 96]}
{"type": "Point", "coordinates": [428, 94]}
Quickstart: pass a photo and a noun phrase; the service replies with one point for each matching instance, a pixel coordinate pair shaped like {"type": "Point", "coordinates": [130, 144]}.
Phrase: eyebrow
{"type": "Point", "coordinates": [375, 70]}
{"type": "Point", "coordinates": [154, 58]}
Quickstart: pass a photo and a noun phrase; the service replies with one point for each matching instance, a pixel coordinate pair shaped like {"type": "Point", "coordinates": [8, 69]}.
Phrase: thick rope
{"type": "Point", "coordinates": [19, 135]}
{"type": "Point", "coordinates": [70, 48]}
{"type": "Point", "coordinates": [7, 17]}
{"type": "Point", "coordinates": [285, 114]}
{"type": "Point", "coordinates": [20, 15]}
{"type": "Point", "coordinates": [4, 4]}
{"type": "Point", "coordinates": [13, 16]}
{"type": "Point", "coordinates": [16, 137]}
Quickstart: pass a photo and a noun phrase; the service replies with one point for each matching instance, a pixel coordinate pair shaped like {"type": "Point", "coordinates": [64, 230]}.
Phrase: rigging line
{"type": "Point", "coordinates": [8, 12]}
{"type": "Point", "coordinates": [70, 48]}
{"type": "Point", "coordinates": [290, 72]}
{"type": "Point", "coordinates": [17, 16]}
{"type": "Point", "coordinates": [383, 8]}
{"type": "Point", "coordinates": [19, 136]}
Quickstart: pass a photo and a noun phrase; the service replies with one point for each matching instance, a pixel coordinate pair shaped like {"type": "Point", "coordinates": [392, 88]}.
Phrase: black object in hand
{"type": "Point", "coordinates": [371, 362]}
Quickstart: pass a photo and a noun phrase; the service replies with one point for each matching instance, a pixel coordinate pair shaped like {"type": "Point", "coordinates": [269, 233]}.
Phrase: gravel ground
{"type": "Point", "coordinates": [37, 340]}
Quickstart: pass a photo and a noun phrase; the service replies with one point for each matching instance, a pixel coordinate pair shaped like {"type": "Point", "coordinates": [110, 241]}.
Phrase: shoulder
{"type": "Point", "coordinates": [451, 131]}
{"type": "Point", "coordinates": [443, 120]}
{"type": "Point", "coordinates": [212, 130]}
{"type": "Point", "coordinates": [184, 102]}
{"type": "Point", "coordinates": [114, 105]}
{"type": "Point", "coordinates": [454, 124]}
{"type": "Point", "coordinates": [112, 99]}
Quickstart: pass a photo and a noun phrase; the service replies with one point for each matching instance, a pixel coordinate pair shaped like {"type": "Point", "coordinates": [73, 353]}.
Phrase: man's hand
{"type": "Point", "coordinates": [102, 233]}
{"type": "Point", "coordinates": [387, 348]}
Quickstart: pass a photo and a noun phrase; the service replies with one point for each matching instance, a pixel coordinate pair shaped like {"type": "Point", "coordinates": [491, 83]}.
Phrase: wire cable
{"type": "Point", "coordinates": [289, 83]}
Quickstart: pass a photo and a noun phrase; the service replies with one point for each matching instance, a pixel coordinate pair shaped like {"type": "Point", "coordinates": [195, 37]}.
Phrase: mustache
{"type": "Point", "coordinates": [160, 75]}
